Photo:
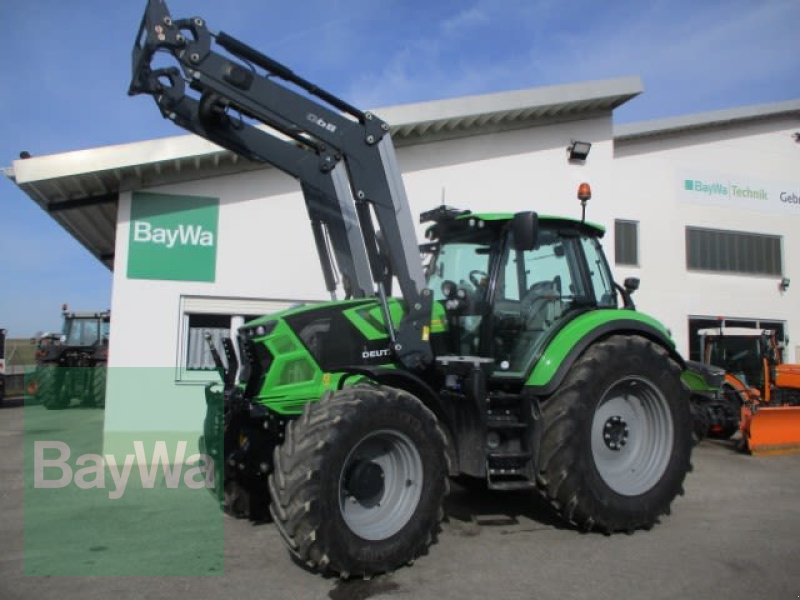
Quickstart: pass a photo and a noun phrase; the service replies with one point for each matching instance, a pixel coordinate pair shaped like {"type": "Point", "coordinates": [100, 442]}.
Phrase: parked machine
{"type": "Point", "coordinates": [511, 356]}
{"type": "Point", "coordinates": [72, 366]}
{"type": "Point", "coordinates": [760, 393]}
{"type": "Point", "coordinates": [2, 365]}
{"type": "Point", "coordinates": [711, 412]}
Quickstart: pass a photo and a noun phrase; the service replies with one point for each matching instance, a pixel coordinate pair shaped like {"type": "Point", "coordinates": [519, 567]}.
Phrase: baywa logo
{"type": "Point", "coordinates": [185, 235]}
{"type": "Point", "coordinates": [89, 471]}
{"type": "Point", "coordinates": [731, 190]}
{"type": "Point", "coordinates": [173, 237]}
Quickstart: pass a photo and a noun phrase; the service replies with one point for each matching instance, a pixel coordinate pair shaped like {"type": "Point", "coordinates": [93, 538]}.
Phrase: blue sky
{"type": "Point", "coordinates": [64, 72]}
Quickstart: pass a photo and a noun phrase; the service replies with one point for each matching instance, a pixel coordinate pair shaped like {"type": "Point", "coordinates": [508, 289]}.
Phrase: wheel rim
{"type": "Point", "coordinates": [632, 436]}
{"type": "Point", "coordinates": [380, 485]}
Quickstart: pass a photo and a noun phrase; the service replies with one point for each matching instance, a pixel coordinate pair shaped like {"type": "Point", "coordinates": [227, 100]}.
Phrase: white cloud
{"type": "Point", "coordinates": [702, 53]}
{"type": "Point", "coordinates": [464, 21]}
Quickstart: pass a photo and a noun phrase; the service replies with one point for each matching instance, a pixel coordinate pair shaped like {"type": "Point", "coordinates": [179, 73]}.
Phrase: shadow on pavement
{"type": "Point", "coordinates": [471, 507]}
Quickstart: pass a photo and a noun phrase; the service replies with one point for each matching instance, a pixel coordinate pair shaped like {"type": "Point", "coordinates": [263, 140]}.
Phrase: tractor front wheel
{"type": "Point", "coordinates": [728, 414]}
{"type": "Point", "coordinates": [358, 484]}
{"type": "Point", "coordinates": [617, 435]}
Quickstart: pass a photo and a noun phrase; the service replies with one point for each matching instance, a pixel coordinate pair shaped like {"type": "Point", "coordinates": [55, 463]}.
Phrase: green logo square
{"type": "Point", "coordinates": [688, 184]}
{"type": "Point", "coordinates": [173, 237]}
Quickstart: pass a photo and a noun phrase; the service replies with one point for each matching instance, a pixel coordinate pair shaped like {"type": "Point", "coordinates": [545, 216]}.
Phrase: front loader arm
{"type": "Point", "coordinates": [344, 158]}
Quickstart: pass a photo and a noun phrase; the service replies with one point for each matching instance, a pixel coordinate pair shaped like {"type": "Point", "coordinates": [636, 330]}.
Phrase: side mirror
{"type": "Point", "coordinates": [631, 284]}
{"type": "Point", "coordinates": [525, 228]}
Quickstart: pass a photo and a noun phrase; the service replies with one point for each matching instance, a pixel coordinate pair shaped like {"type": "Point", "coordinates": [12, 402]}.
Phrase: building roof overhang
{"type": "Point", "coordinates": [80, 189]}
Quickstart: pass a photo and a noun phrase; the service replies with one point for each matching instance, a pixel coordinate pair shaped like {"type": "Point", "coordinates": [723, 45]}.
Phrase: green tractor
{"type": "Point", "coordinates": [72, 366]}
{"type": "Point", "coordinates": [511, 358]}
{"type": "Point", "coordinates": [2, 365]}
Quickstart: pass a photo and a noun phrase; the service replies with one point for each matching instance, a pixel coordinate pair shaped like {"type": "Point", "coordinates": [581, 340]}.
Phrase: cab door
{"type": "Point", "coordinates": [536, 292]}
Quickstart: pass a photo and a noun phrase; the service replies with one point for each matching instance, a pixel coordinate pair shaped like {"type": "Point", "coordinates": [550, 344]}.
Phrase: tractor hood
{"type": "Point", "coordinates": [297, 354]}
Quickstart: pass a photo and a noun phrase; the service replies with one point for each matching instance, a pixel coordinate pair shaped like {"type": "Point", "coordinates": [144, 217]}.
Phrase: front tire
{"type": "Point", "coordinates": [700, 420]}
{"type": "Point", "coordinates": [728, 413]}
{"type": "Point", "coordinates": [616, 439]}
{"type": "Point", "coordinates": [358, 484]}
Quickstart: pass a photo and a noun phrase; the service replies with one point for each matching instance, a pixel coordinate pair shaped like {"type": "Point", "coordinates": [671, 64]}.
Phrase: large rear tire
{"type": "Point", "coordinates": [50, 383]}
{"type": "Point", "coordinates": [616, 439]}
{"type": "Point", "coordinates": [358, 484]}
{"type": "Point", "coordinates": [98, 390]}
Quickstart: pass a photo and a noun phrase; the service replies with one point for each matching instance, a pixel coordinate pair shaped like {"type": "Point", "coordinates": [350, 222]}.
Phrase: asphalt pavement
{"type": "Point", "coordinates": [734, 534]}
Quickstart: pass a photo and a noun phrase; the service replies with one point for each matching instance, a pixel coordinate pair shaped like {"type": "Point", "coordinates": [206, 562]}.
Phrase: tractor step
{"type": "Point", "coordinates": [510, 465]}
{"type": "Point", "coordinates": [511, 485]}
{"type": "Point", "coordinates": [509, 471]}
{"type": "Point", "coordinates": [510, 457]}
{"type": "Point", "coordinates": [504, 423]}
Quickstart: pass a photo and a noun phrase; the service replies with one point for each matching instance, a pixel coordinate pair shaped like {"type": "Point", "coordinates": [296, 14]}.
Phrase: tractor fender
{"type": "Point", "coordinates": [570, 342]}
{"type": "Point", "coordinates": [417, 387]}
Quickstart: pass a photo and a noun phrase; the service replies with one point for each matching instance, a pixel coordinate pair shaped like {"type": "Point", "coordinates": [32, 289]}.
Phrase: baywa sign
{"type": "Point", "coordinates": [724, 190]}
{"type": "Point", "coordinates": [173, 237]}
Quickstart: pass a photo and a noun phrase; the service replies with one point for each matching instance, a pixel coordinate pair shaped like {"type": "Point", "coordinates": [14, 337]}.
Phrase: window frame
{"type": "Point", "coordinates": [636, 246]}
{"type": "Point", "coordinates": [727, 252]}
{"type": "Point", "coordinates": [239, 310]}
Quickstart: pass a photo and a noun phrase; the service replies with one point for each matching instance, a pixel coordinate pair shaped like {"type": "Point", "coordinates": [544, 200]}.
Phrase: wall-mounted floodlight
{"type": "Point", "coordinates": [784, 284]}
{"type": "Point", "coordinates": [579, 150]}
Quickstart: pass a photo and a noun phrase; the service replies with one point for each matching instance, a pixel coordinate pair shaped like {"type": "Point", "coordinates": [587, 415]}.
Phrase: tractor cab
{"type": "Point", "coordinates": [85, 329]}
{"type": "Point", "coordinates": [509, 282]}
{"type": "Point", "coordinates": [741, 351]}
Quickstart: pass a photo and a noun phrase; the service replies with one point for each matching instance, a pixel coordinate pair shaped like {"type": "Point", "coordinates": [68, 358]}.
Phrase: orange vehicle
{"type": "Point", "coordinates": [763, 389]}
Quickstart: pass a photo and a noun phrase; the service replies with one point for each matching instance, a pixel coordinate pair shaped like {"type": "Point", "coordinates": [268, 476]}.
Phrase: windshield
{"type": "Point", "coordinates": [740, 355]}
{"type": "Point", "coordinates": [465, 264]}
{"type": "Point", "coordinates": [83, 332]}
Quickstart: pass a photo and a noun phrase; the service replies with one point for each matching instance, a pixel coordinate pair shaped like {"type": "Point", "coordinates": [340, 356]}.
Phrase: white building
{"type": "Point", "coordinates": [704, 209]}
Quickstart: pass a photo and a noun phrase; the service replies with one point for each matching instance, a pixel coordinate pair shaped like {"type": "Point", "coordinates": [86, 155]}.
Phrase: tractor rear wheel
{"type": "Point", "coordinates": [50, 380]}
{"type": "Point", "coordinates": [358, 484]}
{"type": "Point", "coordinates": [98, 390]}
{"type": "Point", "coordinates": [616, 440]}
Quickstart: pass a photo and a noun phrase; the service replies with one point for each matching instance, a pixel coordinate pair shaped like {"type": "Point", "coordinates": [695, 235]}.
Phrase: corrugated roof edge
{"type": "Point", "coordinates": [613, 93]}
{"type": "Point", "coordinates": [706, 120]}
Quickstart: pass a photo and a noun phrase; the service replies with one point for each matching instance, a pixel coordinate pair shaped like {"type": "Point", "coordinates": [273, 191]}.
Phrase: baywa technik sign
{"type": "Point", "coordinates": [173, 237]}
{"type": "Point", "coordinates": [740, 192]}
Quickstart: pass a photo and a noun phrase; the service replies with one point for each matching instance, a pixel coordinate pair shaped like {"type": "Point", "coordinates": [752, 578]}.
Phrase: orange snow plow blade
{"type": "Point", "coordinates": [773, 430]}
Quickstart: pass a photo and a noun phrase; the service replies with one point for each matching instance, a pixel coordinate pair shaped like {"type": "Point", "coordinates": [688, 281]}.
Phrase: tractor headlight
{"type": "Point", "coordinates": [259, 330]}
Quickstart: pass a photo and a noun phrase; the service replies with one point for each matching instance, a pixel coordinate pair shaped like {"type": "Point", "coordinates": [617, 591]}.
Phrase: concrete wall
{"type": "Point", "coordinates": [648, 182]}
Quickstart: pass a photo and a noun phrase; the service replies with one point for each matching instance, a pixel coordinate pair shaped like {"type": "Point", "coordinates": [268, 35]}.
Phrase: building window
{"type": "Point", "coordinates": [198, 355]}
{"type": "Point", "coordinates": [733, 252]}
{"type": "Point", "coordinates": [220, 318]}
{"type": "Point", "coordinates": [626, 243]}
